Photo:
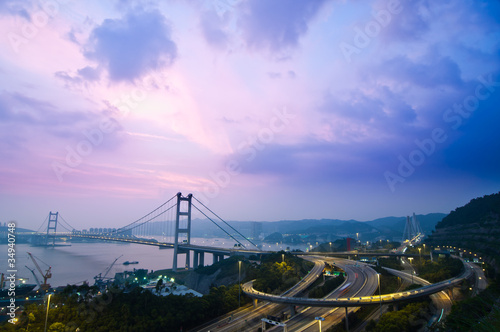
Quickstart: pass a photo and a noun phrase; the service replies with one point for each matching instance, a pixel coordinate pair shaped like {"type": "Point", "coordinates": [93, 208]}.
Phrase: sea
{"type": "Point", "coordinates": [76, 263]}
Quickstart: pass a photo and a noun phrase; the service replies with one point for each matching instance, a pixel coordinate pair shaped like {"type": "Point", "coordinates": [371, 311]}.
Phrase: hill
{"type": "Point", "coordinates": [475, 226]}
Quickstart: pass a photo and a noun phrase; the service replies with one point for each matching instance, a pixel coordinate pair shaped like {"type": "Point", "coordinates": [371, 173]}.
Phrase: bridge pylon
{"type": "Point", "coordinates": [182, 228]}
{"type": "Point", "coordinates": [51, 226]}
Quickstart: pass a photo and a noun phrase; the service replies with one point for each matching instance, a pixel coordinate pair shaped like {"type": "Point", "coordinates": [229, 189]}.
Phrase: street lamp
{"type": "Point", "coordinates": [282, 258]}
{"type": "Point", "coordinates": [239, 284]}
{"type": "Point", "coordinates": [420, 253]}
{"type": "Point", "coordinates": [47, 314]}
{"type": "Point", "coordinates": [411, 260]}
{"type": "Point", "coordinates": [379, 293]}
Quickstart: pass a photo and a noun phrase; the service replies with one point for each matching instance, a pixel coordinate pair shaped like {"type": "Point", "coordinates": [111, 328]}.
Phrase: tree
{"type": "Point", "coordinates": [159, 286]}
{"type": "Point", "coordinates": [57, 327]}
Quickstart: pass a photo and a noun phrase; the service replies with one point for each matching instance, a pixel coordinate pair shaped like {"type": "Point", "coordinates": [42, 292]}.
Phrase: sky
{"type": "Point", "coordinates": [264, 110]}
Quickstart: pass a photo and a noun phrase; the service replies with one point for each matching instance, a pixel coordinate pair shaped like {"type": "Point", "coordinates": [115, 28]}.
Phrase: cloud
{"type": "Point", "coordinates": [213, 28]}
{"type": "Point", "coordinates": [277, 25]}
{"type": "Point", "coordinates": [358, 115]}
{"type": "Point", "coordinates": [15, 7]}
{"type": "Point", "coordinates": [21, 115]}
{"type": "Point", "coordinates": [431, 72]}
{"type": "Point", "coordinates": [132, 46]}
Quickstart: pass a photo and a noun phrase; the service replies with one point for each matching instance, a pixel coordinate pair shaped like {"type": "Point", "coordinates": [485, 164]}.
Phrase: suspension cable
{"type": "Point", "coordinates": [226, 223]}
{"type": "Point", "coordinates": [43, 223]}
{"type": "Point", "coordinates": [67, 223]}
{"type": "Point", "coordinates": [120, 230]}
{"type": "Point", "coordinates": [232, 237]}
{"type": "Point", "coordinates": [159, 207]}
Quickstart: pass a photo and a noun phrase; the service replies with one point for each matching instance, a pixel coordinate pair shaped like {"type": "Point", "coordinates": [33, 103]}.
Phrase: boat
{"type": "Point", "coordinates": [127, 262]}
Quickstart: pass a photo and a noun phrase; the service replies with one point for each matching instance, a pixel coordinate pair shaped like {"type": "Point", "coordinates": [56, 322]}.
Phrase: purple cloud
{"type": "Point", "coordinates": [276, 25]}
{"type": "Point", "coordinates": [14, 7]}
{"type": "Point", "coordinates": [213, 29]}
{"type": "Point", "coordinates": [132, 46]}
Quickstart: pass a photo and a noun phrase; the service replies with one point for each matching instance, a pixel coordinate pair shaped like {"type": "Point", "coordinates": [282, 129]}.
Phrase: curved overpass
{"type": "Point", "coordinates": [361, 300]}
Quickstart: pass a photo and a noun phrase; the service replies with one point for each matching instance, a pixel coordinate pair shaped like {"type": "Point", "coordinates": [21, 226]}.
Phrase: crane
{"type": "Point", "coordinates": [99, 278]}
{"type": "Point", "coordinates": [34, 275]}
{"type": "Point", "coordinates": [45, 286]}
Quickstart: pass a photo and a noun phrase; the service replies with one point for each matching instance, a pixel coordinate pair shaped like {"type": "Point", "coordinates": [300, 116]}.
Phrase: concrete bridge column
{"type": "Point", "coordinates": [293, 312]}
{"type": "Point", "coordinates": [202, 258]}
{"type": "Point", "coordinates": [216, 258]}
{"type": "Point", "coordinates": [196, 254]}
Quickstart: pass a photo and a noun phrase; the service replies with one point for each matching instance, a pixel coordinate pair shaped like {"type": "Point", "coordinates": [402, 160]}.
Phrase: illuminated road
{"type": "Point", "coordinates": [360, 280]}
{"type": "Point", "coordinates": [480, 282]}
{"type": "Point", "coordinates": [250, 319]}
{"type": "Point", "coordinates": [358, 301]}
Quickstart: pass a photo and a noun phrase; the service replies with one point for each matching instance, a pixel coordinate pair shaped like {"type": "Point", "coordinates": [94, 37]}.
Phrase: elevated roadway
{"type": "Point", "coordinates": [361, 280]}
{"type": "Point", "coordinates": [250, 318]}
{"type": "Point", "coordinates": [358, 301]}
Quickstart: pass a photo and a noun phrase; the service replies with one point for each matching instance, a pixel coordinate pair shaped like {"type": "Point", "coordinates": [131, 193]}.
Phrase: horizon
{"type": "Point", "coordinates": [263, 110]}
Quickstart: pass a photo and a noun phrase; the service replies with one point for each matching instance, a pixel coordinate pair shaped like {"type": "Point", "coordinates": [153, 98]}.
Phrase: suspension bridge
{"type": "Point", "coordinates": [172, 219]}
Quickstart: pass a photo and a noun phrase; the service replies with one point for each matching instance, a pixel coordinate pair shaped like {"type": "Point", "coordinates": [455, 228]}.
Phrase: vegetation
{"type": "Point", "coordinates": [390, 262]}
{"type": "Point", "coordinates": [475, 226]}
{"type": "Point", "coordinates": [442, 269]}
{"type": "Point", "coordinates": [278, 272]}
{"type": "Point", "coordinates": [327, 287]}
{"type": "Point", "coordinates": [388, 283]}
{"type": "Point", "coordinates": [409, 318]}
{"type": "Point", "coordinates": [482, 210]}
{"type": "Point", "coordinates": [138, 310]}
{"type": "Point", "coordinates": [480, 313]}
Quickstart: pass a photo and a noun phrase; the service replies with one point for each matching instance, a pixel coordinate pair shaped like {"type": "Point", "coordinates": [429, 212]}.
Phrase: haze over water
{"type": "Point", "coordinates": [83, 261]}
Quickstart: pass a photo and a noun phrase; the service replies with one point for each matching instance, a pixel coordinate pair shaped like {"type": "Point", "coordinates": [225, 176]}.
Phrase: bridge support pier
{"type": "Point", "coordinates": [255, 303]}
{"type": "Point", "coordinates": [293, 312]}
{"type": "Point", "coordinates": [218, 258]}
{"type": "Point", "coordinates": [198, 259]}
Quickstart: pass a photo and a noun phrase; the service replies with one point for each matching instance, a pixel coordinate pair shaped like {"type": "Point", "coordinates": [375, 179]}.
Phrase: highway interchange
{"type": "Point", "coordinates": [360, 286]}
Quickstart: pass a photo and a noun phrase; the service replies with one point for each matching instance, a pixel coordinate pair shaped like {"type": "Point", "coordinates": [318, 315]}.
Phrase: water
{"type": "Point", "coordinates": [83, 261]}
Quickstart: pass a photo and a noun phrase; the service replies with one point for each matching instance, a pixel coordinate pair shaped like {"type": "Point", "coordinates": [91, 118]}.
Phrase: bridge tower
{"type": "Point", "coordinates": [412, 228]}
{"type": "Point", "coordinates": [51, 226]}
{"type": "Point", "coordinates": [182, 228]}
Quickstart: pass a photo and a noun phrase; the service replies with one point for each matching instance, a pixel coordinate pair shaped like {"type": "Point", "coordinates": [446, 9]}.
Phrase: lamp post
{"type": "Point", "coordinates": [239, 284]}
{"type": "Point", "coordinates": [411, 259]}
{"type": "Point", "coordinates": [47, 314]}
{"type": "Point", "coordinates": [379, 293]}
{"type": "Point", "coordinates": [420, 254]}
{"type": "Point", "coordinates": [282, 258]}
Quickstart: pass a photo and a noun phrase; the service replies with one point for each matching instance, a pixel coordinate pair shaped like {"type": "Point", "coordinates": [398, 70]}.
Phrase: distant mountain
{"type": "Point", "coordinates": [325, 229]}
